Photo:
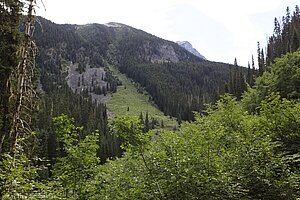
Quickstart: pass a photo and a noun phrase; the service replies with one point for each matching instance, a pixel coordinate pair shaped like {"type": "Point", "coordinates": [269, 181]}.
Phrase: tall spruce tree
{"type": "Point", "coordinates": [286, 37]}
{"type": "Point", "coordinates": [10, 42]}
{"type": "Point", "coordinates": [17, 178]}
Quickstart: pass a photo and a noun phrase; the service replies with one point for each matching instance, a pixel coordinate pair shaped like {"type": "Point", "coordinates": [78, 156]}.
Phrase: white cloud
{"type": "Point", "coordinates": [235, 15]}
{"type": "Point", "coordinates": [150, 16]}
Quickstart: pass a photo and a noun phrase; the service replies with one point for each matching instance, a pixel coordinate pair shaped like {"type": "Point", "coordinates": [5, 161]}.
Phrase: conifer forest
{"type": "Point", "coordinates": [215, 131]}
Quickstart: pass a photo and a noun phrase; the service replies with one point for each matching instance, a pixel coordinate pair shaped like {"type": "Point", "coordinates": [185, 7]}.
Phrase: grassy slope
{"type": "Point", "coordinates": [128, 96]}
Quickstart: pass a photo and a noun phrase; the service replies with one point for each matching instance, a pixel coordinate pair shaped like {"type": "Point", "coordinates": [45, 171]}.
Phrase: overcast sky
{"type": "Point", "coordinates": [219, 29]}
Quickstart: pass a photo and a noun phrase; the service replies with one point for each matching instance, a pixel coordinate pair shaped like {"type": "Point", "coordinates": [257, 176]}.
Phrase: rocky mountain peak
{"type": "Point", "coordinates": [189, 47]}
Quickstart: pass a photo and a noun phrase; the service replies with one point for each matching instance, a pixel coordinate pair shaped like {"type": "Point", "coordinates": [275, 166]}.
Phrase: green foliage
{"type": "Point", "coordinates": [18, 164]}
{"type": "Point", "coordinates": [228, 154]}
{"type": "Point", "coordinates": [180, 88]}
{"type": "Point", "coordinates": [225, 154]}
{"type": "Point", "coordinates": [286, 76]}
{"type": "Point", "coordinates": [233, 150]}
{"type": "Point", "coordinates": [74, 173]}
{"type": "Point", "coordinates": [58, 47]}
{"type": "Point", "coordinates": [10, 45]}
{"type": "Point", "coordinates": [18, 177]}
{"type": "Point", "coordinates": [130, 130]}
{"type": "Point", "coordinates": [90, 114]}
{"type": "Point", "coordinates": [178, 81]}
{"type": "Point", "coordinates": [283, 120]}
{"type": "Point", "coordinates": [237, 83]}
{"type": "Point", "coordinates": [286, 36]}
{"type": "Point", "coordinates": [10, 35]}
{"type": "Point", "coordinates": [283, 78]}
{"type": "Point", "coordinates": [136, 143]}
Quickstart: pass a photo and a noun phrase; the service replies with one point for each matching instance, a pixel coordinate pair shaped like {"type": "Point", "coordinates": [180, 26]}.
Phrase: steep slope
{"type": "Point", "coordinates": [130, 99]}
{"type": "Point", "coordinates": [61, 50]}
{"type": "Point", "coordinates": [133, 44]}
{"type": "Point", "coordinates": [178, 81]}
{"type": "Point", "coordinates": [188, 46]}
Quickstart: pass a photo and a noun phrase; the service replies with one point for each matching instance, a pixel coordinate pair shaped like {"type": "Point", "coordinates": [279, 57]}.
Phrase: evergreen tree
{"type": "Point", "coordinates": [250, 78]}
{"type": "Point", "coordinates": [259, 60]}
{"type": "Point", "coordinates": [141, 118]}
{"type": "Point", "coordinates": [263, 63]}
{"type": "Point", "coordinates": [237, 80]}
{"type": "Point", "coordinates": [253, 64]}
{"type": "Point", "coordinates": [75, 171]}
{"type": "Point", "coordinates": [10, 44]}
{"type": "Point", "coordinates": [147, 126]}
{"type": "Point", "coordinates": [285, 37]}
{"type": "Point", "coordinates": [17, 94]}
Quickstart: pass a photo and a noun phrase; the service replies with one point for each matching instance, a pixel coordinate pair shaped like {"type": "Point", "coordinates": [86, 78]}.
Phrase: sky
{"type": "Point", "coordinates": [221, 30]}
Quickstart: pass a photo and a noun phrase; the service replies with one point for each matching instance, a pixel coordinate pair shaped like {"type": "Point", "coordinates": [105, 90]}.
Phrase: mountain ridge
{"type": "Point", "coordinates": [178, 81]}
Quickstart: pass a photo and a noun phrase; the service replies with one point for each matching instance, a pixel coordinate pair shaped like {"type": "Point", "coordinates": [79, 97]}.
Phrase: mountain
{"type": "Point", "coordinates": [188, 46]}
{"type": "Point", "coordinates": [76, 77]}
{"type": "Point", "coordinates": [139, 45]}
{"type": "Point", "coordinates": [81, 55]}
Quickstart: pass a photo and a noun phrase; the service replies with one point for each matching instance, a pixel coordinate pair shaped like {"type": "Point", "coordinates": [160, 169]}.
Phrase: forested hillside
{"type": "Point", "coordinates": [178, 81]}
{"type": "Point", "coordinates": [179, 88]}
{"type": "Point", "coordinates": [58, 143]}
{"type": "Point", "coordinates": [60, 47]}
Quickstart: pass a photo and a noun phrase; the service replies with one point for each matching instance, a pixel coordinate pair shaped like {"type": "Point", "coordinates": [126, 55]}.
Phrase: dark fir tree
{"type": "Point", "coordinates": [286, 36]}
{"type": "Point", "coordinates": [10, 42]}
{"type": "Point", "coordinates": [147, 125]}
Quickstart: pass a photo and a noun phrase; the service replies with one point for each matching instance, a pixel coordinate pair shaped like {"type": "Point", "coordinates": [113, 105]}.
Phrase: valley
{"type": "Point", "coordinates": [109, 111]}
